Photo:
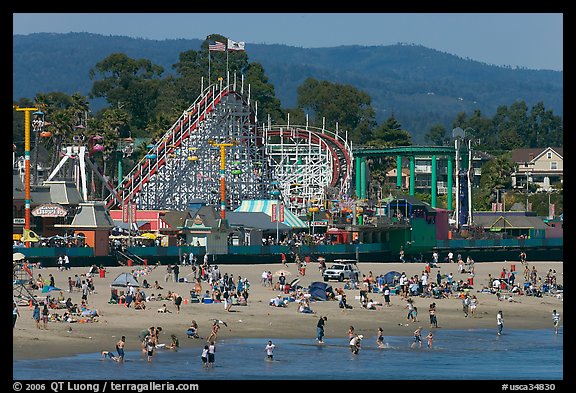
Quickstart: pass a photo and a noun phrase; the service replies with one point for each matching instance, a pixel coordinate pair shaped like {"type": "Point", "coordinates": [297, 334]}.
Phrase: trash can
{"type": "Point", "coordinates": [287, 288]}
{"type": "Point", "coordinates": [471, 281]}
{"type": "Point", "coordinates": [129, 262]}
{"type": "Point", "coordinates": [502, 285]}
{"type": "Point", "coordinates": [102, 273]}
{"type": "Point", "coordinates": [145, 262]}
{"type": "Point", "coordinates": [512, 267]}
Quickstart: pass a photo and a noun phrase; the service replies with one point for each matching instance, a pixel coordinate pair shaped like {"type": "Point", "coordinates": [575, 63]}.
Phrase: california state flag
{"type": "Point", "coordinates": [233, 45]}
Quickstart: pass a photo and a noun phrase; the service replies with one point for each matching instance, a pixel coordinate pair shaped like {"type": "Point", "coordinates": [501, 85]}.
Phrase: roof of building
{"type": "Point", "coordinates": [257, 220]}
{"type": "Point", "coordinates": [208, 216]}
{"type": "Point", "coordinates": [508, 220]}
{"type": "Point", "coordinates": [64, 192]}
{"type": "Point", "coordinates": [91, 215]}
{"type": "Point", "coordinates": [527, 155]}
{"type": "Point", "coordinates": [175, 219]}
{"type": "Point", "coordinates": [40, 195]}
{"type": "Point", "coordinates": [265, 206]}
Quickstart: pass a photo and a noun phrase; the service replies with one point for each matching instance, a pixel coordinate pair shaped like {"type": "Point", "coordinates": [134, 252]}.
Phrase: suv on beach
{"type": "Point", "coordinates": [342, 269]}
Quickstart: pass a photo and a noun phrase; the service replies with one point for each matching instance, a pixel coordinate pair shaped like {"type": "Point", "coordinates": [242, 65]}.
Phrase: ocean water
{"type": "Point", "coordinates": [475, 354]}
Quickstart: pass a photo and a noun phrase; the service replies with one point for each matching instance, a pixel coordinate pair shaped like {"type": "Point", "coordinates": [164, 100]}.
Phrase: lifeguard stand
{"type": "Point", "coordinates": [22, 277]}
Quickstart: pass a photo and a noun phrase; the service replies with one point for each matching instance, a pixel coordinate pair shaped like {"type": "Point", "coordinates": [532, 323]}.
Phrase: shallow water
{"type": "Point", "coordinates": [475, 354]}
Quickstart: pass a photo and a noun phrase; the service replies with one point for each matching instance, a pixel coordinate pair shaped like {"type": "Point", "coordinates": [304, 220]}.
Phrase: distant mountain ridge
{"type": "Point", "coordinates": [420, 86]}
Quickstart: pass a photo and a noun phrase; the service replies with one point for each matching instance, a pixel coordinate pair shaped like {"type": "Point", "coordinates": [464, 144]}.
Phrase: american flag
{"type": "Point", "coordinates": [216, 46]}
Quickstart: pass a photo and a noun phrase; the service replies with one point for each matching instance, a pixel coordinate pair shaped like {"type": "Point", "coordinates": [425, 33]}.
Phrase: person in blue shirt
{"type": "Point", "coordinates": [36, 315]}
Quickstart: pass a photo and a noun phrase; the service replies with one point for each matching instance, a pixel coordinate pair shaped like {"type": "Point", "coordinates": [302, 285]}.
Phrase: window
{"type": "Point", "coordinates": [549, 155]}
{"type": "Point", "coordinates": [553, 165]}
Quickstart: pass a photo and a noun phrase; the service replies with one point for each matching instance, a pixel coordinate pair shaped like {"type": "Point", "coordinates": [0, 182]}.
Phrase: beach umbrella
{"type": "Point", "coordinates": [294, 282]}
{"type": "Point", "coordinates": [279, 273]}
{"type": "Point", "coordinates": [18, 256]}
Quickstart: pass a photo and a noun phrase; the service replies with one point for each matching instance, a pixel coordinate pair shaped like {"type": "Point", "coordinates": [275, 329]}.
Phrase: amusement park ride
{"type": "Point", "coordinates": [294, 164]}
{"type": "Point", "coordinates": [304, 168]}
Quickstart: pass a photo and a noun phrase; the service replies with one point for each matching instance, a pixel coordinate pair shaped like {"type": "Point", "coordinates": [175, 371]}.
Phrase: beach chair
{"type": "Point", "coordinates": [194, 297]}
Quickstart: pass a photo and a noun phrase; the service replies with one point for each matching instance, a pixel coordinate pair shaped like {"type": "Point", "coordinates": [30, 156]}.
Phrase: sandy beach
{"type": "Point", "coordinates": [258, 319]}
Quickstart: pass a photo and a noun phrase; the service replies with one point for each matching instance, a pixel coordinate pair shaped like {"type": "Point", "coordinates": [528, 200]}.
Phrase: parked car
{"type": "Point", "coordinates": [342, 269]}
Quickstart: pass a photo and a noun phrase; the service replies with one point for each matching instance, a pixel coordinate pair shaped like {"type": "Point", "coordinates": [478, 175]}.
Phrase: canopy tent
{"type": "Point", "coordinates": [148, 235]}
{"type": "Point", "coordinates": [391, 277]}
{"type": "Point", "coordinates": [265, 206]}
{"type": "Point", "coordinates": [124, 279]}
{"type": "Point", "coordinates": [18, 256]}
{"type": "Point", "coordinates": [318, 290]}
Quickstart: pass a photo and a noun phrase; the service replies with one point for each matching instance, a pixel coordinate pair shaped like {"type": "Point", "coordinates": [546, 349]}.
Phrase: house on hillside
{"type": "Point", "coordinates": [541, 167]}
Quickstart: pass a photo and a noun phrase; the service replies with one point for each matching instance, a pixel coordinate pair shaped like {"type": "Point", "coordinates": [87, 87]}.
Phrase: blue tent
{"type": "Point", "coordinates": [124, 279]}
{"type": "Point", "coordinates": [48, 288]}
{"type": "Point", "coordinates": [391, 276]}
{"type": "Point", "coordinates": [318, 290]}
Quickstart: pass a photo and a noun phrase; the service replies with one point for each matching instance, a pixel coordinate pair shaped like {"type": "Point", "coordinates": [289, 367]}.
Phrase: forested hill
{"type": "Point", "coordinates": [420, 86]}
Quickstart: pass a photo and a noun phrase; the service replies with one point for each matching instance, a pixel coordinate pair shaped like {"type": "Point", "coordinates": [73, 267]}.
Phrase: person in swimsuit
{"type": "Point", "coordinates": [380, 338]}
{"type": "Point", "coordinates": [120, 348]}
{"type": "Point", "coordinates": [417, 338]}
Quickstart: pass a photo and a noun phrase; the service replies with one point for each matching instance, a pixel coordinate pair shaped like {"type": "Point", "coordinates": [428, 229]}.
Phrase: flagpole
{"type": "Point", "coordinates": [208, 66]}
{"type": "Point", "coordinates": [227, 74]}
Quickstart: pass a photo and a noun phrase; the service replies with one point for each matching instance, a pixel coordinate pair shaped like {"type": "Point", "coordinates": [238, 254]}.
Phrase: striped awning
{"type": "Point", "coordinates": [265, 206]}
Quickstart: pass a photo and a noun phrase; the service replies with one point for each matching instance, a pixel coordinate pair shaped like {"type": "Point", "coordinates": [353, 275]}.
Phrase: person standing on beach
{"type": "Point", "coordinates": [270, 350]}
{"type": "Point", "coordinates": [15, 314]}
{"type": "Point", "coordinates": [432, 312]}
{"type": "Point", "coordinates": [120, 348]}
{"type": "Point", "coordinates": [205, 356]}
{"type": "Point", "coordinates": [355, 344]}
{"type": "Point", "coordinates": [473, 305]}
{"type": "Point", "coordinates": [351, 333]}
{"type": "Point", "coordinates": [387, 295]}
{"type": "Point", "coordinates": [320, 329]}
{"type": "Point", "coordinates": [555, 320]}
{"type": "Point", "coordinates": [430, 338]}
{"type": "Point", "coordinates": [380, 338]}
{"type": "Point", "coordinates": [150, 345]}
{"type": "Point", "coordinates": [500, 322]}
{"type": "Point", "coordinates": [36, 315]}
{"type": "Point", "coordinates": [168, 276]}
{"type": "Point", "coordinates": [417, 338]}
{"type": "Point", "coordinates": [176, 271]}
{"type": "Point", "coordinates": [465, 305]}
{"type": "Point", "coordinates": [214, 333]}
{"type": "Point", "coordinates": [211, 354]}
{"type": "Point", "coordinates": [410, 307]}
{"type": "Point", "coordinates": [45, 313]}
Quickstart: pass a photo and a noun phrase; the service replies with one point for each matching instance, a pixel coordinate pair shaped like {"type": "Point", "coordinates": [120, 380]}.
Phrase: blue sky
{"type": "Point", "coordinates": [529, 40]}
